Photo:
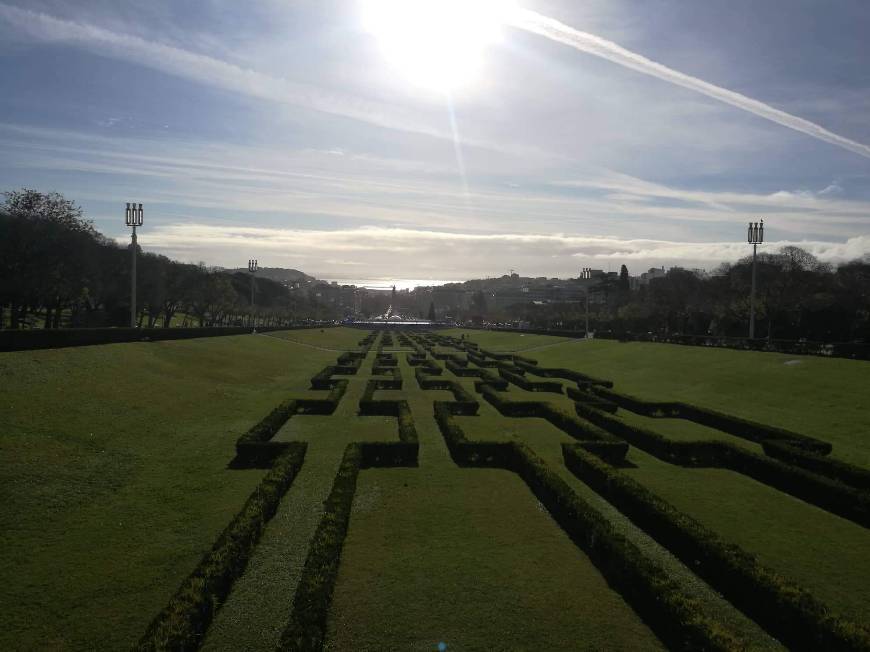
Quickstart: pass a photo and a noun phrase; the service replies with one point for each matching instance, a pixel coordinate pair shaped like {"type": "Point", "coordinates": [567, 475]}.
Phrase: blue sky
{"type": "Point", "coordinates": [281, 131]}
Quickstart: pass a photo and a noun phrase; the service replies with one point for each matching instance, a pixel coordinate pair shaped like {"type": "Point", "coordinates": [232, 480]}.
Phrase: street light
{"type": "Point", "coordinates": [252, 268]}
{"type": "Point", "coordinates": [586, 275]}
{"type": "Point", "coordinates": [133, 217]}
{"type": "Point", "coordinates": [754, 236]}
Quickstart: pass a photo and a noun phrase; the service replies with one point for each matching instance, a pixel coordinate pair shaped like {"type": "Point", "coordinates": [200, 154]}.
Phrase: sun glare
{"type": "Point", "coordinates": [437, 44]}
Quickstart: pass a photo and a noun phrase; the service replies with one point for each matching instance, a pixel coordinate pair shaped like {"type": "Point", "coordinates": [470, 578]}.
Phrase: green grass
{"type": "Point", "coordinates": [339, 338]}
{"type": "Point", "coordinates": [468, 557]}
{"type": "Point", "coordinates": [819, 397]}
{"type": "Point", "coordinates": [115, 457]}
{"type": "Point", "coordinates": [826, 554]}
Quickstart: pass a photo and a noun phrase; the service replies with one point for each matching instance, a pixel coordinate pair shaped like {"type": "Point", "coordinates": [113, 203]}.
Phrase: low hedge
{"type": "Point", "coordinates": [826, 493]}
{"type": "Point", "coordinates": [181, 625]}
{"type": "Point", "coordinates": [463, 370]}
{"type": "Point", "coordinates": [306, 629]}
{"type": "Point", "coordinates": [530, 385]}
{"type": "Point", "coordinates": [784, 609]}
{"type": "Point", "coordinates": [254, 447]}
{"type": "Point", "coordinates": [395, 372]}
{"type": "Point", "coordinates": [568, 374]}
{"type": "Point", "coordinates": [323, 378]}
{"type": "Point", "coordinates": [326, 405]}
{"type": "Point", "coordinates": [739, 427]}
{"type": "Point", "coordinates": [55, 338]}
{"type": "Point", "coordinates": [567, 423]}
{"type": "Point", "coordinates": [854, 476]}
{"type": "Point", "coordinates": [577, 394]}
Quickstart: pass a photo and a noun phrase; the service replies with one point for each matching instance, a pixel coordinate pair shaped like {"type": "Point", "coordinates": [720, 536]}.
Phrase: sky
{"type": "Point", "coordinates": [318, 135]}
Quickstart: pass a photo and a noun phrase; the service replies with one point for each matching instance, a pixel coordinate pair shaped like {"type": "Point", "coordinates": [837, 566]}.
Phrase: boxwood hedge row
{"type": "Point", "coordinates": [584, 396]}
{"type": "Point", "coordinates": [854, 476]}
{"type": "Point", "coordinates": [826, 493]}
{"type": "Point", "coordinates": [306, 629]}
{"type": "Point", "coordinates": [558, 372]}
{"type": "Point", "coordinates": [530, 385]}
{"type": "Point", "coordinates": [786, 610]}
{"type": "Point", "coordinates": [568, 423]}
{"type": "Point", "coordinates": [743, 428]}
{"type": "Point", "coordinates": [183, 622]}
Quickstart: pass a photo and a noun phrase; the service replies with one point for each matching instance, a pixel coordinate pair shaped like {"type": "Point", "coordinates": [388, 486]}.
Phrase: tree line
{"type": "Point", "coordinates": [797, 297]}
{"type": "Point", "coordinates": [57, 270]}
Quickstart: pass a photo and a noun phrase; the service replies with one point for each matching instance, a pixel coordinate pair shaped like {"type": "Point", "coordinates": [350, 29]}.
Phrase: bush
{"type": "Point", "coordinates": [595, 401]}
{"type": "Point", "coordinates": [786, 610]}
{"type": "Point", "coordinates": [181, 625]}
{"type": "Point", "coordinates": [568, 374]}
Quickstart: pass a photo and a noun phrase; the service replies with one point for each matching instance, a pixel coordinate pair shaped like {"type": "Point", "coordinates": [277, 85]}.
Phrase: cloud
{"type": "Point", "coordinates": [591, 44]}
{"type": "Point", "coordinates": [406, 252]}
{"type": "Point", "coordinates": [221, 74]}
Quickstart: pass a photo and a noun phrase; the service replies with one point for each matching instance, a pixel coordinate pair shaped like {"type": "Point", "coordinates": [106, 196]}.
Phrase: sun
{"type": "Point", "coordinates": [436, 44]}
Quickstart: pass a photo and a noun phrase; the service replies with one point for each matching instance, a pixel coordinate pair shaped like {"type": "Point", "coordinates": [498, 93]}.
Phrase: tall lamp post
{"type": "Point", "coordinates": [587, 274]}
{"type": "Point", "coordinates": [252, 268]}
{"type": "Point", "coordinates": [133, 216]}
{"type": "Point", "coordinates": [755, 236]}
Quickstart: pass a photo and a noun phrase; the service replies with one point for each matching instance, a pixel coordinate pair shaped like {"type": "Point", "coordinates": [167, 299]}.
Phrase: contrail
{"type": "Point", "coordinates": [591, 44]}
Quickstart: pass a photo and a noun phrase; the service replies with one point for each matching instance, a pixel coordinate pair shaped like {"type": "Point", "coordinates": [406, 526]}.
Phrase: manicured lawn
{"type": "Point", "coordinates": [820, 397]}
{"type": "Point", "coordinates": [338, 337]}
{"type": "Point", "coordinates": [470, 558]}
{"type": "Point", "coordinates": [114, 476]}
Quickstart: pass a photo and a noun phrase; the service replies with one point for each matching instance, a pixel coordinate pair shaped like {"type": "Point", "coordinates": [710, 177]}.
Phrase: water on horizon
{"type": "Point", "coordinates": [387, 283]}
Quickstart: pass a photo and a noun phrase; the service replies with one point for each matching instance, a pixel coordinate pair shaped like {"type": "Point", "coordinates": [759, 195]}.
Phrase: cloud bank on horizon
{"type": "Point", "coordinates": [279, 132]}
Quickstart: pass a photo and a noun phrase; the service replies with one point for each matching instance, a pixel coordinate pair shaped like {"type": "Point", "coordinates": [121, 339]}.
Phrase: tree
{"type": "Point", "coordinates": [432, 311]}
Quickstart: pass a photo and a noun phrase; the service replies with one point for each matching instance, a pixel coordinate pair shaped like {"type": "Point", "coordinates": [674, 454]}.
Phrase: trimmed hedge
{"type": "Point", "coordinates": [181, 625]}
{"type": "Point", "coordinates": [323, 405]}
{"type": "Point", "coordinates": [55, 338]}
{"type": "Point", "coordinates": [254, 447]}
{"type": "Point", "coordinates": [568, 374]}
{"type": "Point", "coordinates": [743, 428]}
{"type": "Point", "coordinates": [530, 385]}
{"type": "Point", "coordinates": [826, 493]}
{"type": "Point", "coordinates": [463, 370]}
{"type": "Point", "coordinates": [854, 476]}
{"type": "Point", "coordinates": [784, 609]}
{"type": "Point", "coordinates": [577, 394]}
{"type": "Point", "coordinates": [306, 629]}
{"type": "Point", "coordinates": [583, 431]}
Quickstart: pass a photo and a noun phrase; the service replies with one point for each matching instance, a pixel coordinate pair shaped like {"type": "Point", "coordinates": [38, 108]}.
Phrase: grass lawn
{"type": "Point", "coordinates": [339, 338]}
{"type": "Point", "coordinates": [824, 553]}
{"type": "Point", "coordinates": [468, 557]}
{"type": "Point", "coordinates": [115, 458]}
{"type": "Point", "coordinates": [820, 397]}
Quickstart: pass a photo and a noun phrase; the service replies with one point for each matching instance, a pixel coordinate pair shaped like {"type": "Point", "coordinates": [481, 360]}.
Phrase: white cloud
{"type": "Point", "coordinates": [409, 252]}
{"type": "Point", "coordinates": [595, 45]}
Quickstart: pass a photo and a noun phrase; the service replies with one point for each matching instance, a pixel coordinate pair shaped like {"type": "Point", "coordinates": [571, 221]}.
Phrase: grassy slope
{"type": "Point", "coordinates": [468, 557]}
{"type": "Point", "coordinates": [821, 397]}
{"type": "Point", "coordinates": [116, 457]}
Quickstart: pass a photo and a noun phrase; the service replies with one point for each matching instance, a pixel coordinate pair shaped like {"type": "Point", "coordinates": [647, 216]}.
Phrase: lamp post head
{"type": "Point", "coordinates": [755, 233]}
{"type": "Point", "coordinates": [134, 215]}
{"type": "Point", "coordinates": [252, 265]}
